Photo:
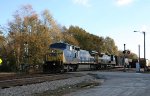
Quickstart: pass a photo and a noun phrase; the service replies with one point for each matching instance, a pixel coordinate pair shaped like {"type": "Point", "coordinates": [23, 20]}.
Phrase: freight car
{"type": "Point", "coordinates": [66, 57]}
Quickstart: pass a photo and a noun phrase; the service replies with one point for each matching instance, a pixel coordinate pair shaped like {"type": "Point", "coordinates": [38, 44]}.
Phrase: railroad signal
{"type": "Point", "coordinates": [126, 51]}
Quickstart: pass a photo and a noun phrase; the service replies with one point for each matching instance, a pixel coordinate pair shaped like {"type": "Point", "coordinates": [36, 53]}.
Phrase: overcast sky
{"type": "Point", "coordinates": [114, 18]}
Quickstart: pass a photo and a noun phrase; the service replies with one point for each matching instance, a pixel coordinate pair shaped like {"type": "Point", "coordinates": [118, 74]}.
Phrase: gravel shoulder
{"type": "Point", "coordinates": [52, 88]}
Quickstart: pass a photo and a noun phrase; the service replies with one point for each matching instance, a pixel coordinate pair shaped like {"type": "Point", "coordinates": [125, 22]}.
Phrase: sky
{"type": "Point", "coordinates": [117, 19]}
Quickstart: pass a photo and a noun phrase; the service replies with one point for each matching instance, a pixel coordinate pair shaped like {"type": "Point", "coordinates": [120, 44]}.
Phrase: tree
{"type": "Point", "coordinates": [110, 46]}
{"type": "Point", "coordinates": [89, 41]}
{"type": "Point", "coordinates": [51, 24]}
{"type": "Point", "coordinates": [30, 36]}
{"type": "Point", "coordinates": [132, 56]}
{"type": "Point", "coordinates": [68, 37]}
{"type": "Point", "coordinates": [6, 54]}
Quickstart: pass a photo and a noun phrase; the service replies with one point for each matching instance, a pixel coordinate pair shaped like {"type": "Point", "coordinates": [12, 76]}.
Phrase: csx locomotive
{"type": "Point", "coordinates": [66, 57]}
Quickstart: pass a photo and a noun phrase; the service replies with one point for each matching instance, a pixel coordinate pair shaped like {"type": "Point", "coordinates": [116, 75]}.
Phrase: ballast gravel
{"type": "Point", "coordinates": [28, 90]}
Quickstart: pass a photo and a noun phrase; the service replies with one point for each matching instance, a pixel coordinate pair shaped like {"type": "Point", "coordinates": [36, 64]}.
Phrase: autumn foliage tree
{"type": "Point", "coordinates": [68, 37]}
{"type": "Point", "coordinates": [90, 42]}
{"type": "Point", "coordinates": [109, 46]}
{"type": "Point", "coordinates": [31, 36]}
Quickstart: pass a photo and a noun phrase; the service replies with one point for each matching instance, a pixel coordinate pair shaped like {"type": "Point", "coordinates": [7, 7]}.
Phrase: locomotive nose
{"type": "Point", "coordinates": [55, 55]}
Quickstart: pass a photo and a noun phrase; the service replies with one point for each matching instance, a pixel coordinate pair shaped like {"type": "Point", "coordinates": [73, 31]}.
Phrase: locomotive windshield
{"type": "Point", "coordinates": [52, 54]}
{"type": "Point", "coordinates": [58, 45]}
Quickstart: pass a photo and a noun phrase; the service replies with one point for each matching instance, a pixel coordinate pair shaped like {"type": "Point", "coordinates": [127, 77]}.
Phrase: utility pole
{"type": "Point", "coordinates": [139, 53]}
{"type": "Point", "coordinates": [144, 45]}
{"type": "Point", "coordinates": [144, 54]}
{"type": "Point", "coordinates": [124, 58]}
{"type": "Point", "coordinates": [139, 58]}
{"type": "Point", "coordinates": [144, 50]}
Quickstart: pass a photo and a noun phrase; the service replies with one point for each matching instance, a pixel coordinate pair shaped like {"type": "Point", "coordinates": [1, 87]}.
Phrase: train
{"type": "Point", "coordinates": [64, 57]}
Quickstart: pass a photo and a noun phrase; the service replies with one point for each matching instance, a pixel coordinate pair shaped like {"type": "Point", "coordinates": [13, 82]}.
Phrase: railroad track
{"type": "Point", "coordinates": [11, 81]}
{"type": "Point", "coordinates": [35, 79]}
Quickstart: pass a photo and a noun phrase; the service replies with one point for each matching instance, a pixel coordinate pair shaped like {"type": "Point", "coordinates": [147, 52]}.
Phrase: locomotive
{"type": "Point", "coordinates": [66, 57]}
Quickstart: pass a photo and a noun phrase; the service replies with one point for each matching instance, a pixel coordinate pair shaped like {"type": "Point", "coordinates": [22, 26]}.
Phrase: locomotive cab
{"type": "Point", "coordinates": [62, 57]}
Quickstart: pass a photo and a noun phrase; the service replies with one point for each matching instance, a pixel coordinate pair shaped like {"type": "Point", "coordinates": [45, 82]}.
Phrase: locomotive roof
{"type": "Point", "coordinates": [61, 45]}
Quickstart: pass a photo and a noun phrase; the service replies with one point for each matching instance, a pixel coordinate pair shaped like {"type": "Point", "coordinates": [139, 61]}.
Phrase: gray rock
{"type": "Point", "coordinates": [28, 90]}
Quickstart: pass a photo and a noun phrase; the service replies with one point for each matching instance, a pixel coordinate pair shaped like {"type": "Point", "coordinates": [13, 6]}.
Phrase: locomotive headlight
{"type": "Point", "coordinates": [53, 63]}
{"type": "Point", "coordinates": [52, 51]}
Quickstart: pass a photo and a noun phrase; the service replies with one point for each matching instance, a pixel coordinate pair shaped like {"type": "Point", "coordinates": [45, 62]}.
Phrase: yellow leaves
{"type": "Point", "coordinates": [50, 23]}
{"type": "Point", "coordinates": [29, 20]}
{"type": "Point", "coordinates": [70, 39]}
{"type": "Point", "coordinates": [37, 33]}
